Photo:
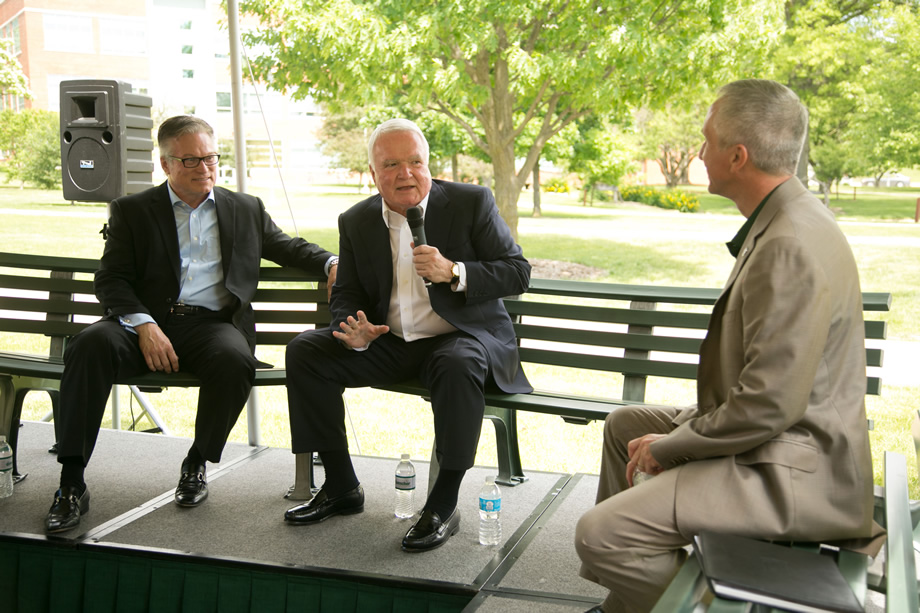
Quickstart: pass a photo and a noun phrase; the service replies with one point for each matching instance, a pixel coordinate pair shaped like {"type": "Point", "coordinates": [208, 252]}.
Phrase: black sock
{"type": "Point", "coordinates": [72, 473]}
{"type": "Point", "coordinates": [340, 473]}
{"type": "Point", "coordinates": [193, 458]}
{"type": "Point", "coordinates": [443, 497]}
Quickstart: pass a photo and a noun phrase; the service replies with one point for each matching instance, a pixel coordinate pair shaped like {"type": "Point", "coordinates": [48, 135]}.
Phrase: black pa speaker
{"type": "Point", "coordinates": [106, 143]}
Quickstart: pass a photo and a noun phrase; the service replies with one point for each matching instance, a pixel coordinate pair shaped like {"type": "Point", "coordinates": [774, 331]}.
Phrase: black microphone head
{"type": "Point", "coordinates": [414, 216]}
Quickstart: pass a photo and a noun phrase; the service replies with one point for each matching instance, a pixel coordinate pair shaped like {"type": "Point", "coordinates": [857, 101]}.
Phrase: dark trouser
{"type": "Point", "coordinates": [454, 367]}
{"type": "Point", "coordinates": [207, 346]}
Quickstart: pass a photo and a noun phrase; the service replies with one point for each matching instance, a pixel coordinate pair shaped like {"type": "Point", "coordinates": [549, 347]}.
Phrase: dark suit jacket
{"type": "Point", "coordinates": [139, 271]}
{"type": "Point", "coordinates": [462, 221]}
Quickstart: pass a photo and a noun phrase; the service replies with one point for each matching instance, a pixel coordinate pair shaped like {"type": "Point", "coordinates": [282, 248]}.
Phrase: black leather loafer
{"type": "Point", "coordinates": [193, 485]}
{"type": "Point", "coordinates": [68, 507]}
{"type": "Point", "coordinates": [429, 532]}
{"type": "Point", "coordinates": [322, 507]}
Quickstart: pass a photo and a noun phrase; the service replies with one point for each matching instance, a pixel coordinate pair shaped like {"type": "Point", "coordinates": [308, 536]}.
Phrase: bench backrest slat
{"type": "Point", "coordinates": [558, 322]}
{"type": "Point", "coordinates": [47, 284]}
{"type": "Point", "coordinates": [595, 314]}
{"type": "Point", "coordinates": [51, 305]}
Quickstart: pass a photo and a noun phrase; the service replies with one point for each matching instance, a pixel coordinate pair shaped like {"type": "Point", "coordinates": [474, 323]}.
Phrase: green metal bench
{"type": "Point", "coordinates": [688, 590]}
{"type": "Point", "coordinates": [635, 331]}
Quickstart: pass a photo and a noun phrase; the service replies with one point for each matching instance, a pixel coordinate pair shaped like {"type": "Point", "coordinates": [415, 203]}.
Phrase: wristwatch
{"type": "Point", "coordinates": [455, 273]}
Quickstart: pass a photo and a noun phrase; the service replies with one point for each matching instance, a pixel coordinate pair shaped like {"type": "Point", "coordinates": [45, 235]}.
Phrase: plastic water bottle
{"type": "Point", "coordinates": [6, 468]}
{"type": "Point", "coordinates": [490, 508]}
{"type": "Point", "coordinates": [641, 477]}
{"type": "Point", "coordinates": [405, 488]}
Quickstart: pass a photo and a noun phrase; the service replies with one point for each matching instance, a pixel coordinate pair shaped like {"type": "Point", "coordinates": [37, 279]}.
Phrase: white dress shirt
{"type": "Point", "coordinates": [410, 316]}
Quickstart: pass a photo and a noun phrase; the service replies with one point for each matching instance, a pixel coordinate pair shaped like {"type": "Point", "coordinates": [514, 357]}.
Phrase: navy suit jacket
{"type": "Point", "coordinates": [462, 221]}
{"type": "Point", "coordinates": [139, 271]}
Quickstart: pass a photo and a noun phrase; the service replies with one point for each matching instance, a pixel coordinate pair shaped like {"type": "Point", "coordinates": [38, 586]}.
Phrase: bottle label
{"type": "Point", "coordinates": [490, 505]}
{"type": "Point", "coordinates": [405, 483]}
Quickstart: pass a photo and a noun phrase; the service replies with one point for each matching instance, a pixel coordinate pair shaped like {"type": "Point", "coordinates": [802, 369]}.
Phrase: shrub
{"type": "Point", "coordinates": [665, 199]}
{"type": "Point", "coordinates": [556, 185]}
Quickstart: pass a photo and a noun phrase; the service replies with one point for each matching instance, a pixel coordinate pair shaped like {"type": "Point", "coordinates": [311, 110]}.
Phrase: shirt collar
{"type": "Point", "coordinates": [385, 210]}
{"type": "Point", "coordinates": [174, 199]}
{"type": "Point", "coordinates": [734, 245]}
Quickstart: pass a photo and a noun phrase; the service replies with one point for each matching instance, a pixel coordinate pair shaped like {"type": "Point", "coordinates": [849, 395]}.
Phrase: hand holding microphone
{"type": "Point", "coordinates": [417, 229]}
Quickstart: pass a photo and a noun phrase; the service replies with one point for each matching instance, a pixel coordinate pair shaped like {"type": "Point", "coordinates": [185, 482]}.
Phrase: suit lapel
{"type": "Point", "coordinates": [764, 218]}
{"type": "Point", "coordinates": [438, 218]}
{"type": "Point", "coordinates": [165, 220]}
{"type": "Point", "coordinates": [374, 234]}
{"type": "Point", "coordinates": [226, 222]}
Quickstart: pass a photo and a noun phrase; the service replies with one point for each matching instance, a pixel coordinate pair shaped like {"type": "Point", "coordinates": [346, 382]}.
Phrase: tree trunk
{"type": "Point", "coordinates": [507, 190]}
{"type": "Point", "coordinates": [537, 211]}
{"type": "Point", "coordinates": [454, 168]}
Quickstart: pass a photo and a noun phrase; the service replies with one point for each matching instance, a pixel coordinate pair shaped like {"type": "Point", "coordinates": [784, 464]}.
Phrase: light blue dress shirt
{"type": "Point", "coordinates": [201, 274]}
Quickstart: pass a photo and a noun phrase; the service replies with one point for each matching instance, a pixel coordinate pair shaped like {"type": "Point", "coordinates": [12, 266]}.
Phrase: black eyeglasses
{"type": "Point", "coordinates": [209, 160]}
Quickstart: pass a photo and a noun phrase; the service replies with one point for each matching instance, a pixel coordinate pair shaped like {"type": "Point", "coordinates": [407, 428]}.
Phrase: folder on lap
{"type": "Point", "coordinates": [741, 568]}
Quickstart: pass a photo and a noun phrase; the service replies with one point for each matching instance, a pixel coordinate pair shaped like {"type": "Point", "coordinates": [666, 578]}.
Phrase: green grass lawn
{"type": "Point", "coordinates": [625, 243]}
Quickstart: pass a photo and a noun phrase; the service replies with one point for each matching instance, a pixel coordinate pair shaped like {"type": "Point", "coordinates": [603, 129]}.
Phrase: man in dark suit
{"type": "Point", "coordinates": [433, 312]}
{"type": "Point", "coordinates": [178, 273]}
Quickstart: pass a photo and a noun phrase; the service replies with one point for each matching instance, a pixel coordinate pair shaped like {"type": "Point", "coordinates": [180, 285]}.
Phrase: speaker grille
{"type": "Point", "coordinates": [88, 164]}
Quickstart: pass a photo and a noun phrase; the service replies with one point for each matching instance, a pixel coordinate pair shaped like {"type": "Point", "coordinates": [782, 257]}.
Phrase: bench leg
{"type": "Point", "coordinates": [9, 418]}
{"type": "Point", "coordinates": [304, 486]}
{"type": "Point", "coordinates": [253, 418]}
{"type": "Point", "coordinates": [510, 471]}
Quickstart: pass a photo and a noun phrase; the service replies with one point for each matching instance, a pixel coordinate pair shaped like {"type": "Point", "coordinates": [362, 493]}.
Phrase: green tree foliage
{"type": "Point", "coordinates": [672, 137]}
{"type": "Point", "coordinates": [495, 67]}
{"type": "Point", "coordinates": [601, 154]}
{"type": "Point", "coordinates": [853, 63]}
{"type": "Point", "coordinates": [12, 79]}
{"type": "Point", "coordinates": [885, 129]}
{"type": "Point", "coordinates": [29, 139]}
{"type": "Point", "coordinates": [343, 138]}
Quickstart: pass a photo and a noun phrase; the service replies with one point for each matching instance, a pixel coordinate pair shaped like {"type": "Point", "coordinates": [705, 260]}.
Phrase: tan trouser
{"type": "Point", "coordinates": [630, 541]}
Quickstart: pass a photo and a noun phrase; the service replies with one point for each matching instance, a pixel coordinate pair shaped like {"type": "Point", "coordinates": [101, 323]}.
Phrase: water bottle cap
{"type": "Point", "coordinates": [404, 456]}
{"type": "Point", "coordinates": [2, 438]}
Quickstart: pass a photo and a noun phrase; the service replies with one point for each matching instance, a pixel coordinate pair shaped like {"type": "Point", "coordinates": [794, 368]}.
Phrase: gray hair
{"type": "Point", "coordinates": [395, 125]}
{"type": "Point", "coordinates": [767, 118]}
{"type": "Point", "coordinates": [180, 125]}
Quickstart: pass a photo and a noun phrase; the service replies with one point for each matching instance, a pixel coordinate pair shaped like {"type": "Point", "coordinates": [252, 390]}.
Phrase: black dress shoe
{"type": "Point", "coordinates": [68, 507]}
{"type": "Point", "coordinates": [596, 609]}
{"type": "Point", "coordinates": [193, 486]}
{"type": "Point", "coordinates": [429, 532]}
{"type": "Point", "coordinates": [321, 507]}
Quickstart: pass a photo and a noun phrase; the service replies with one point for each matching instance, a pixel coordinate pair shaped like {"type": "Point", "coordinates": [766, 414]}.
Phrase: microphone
{"type": "Point", "coordinates": [416, 225]}
{"type": "Point", "coordinates": [417, 229]}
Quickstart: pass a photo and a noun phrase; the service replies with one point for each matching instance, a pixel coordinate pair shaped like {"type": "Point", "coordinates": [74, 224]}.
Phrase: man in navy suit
{"type": "Point", "coordinates": [177, 276]}
{"type": "Point", "coordinates": [402, 311]}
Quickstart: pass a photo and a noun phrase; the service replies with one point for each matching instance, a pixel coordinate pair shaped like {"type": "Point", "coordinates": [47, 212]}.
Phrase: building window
{"type": "Point", "coordinates": [188, 73]}
{"type": "Point", "coordinates": [259, 153]}
{"type": "Point", "coordinates": [122, 36]}
{"type": "Point", "coordinates": [72, 33]}
{"type": "Point", "coordinates": [223, 102]}
{"type": "Point", "coordinates": [186, 25]}
{"type": "Point", "coordinates": [10, 31]}
{"type": "Point", "coordinates": [186, 49]}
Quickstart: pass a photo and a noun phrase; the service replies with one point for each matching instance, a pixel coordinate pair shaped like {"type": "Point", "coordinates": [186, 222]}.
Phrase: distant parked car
{"type": "Point", "coordinates": [890, 179]}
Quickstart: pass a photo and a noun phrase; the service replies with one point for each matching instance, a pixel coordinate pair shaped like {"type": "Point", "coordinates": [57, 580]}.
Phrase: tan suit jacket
{"type": "Point", "coordinates": [778, 445]}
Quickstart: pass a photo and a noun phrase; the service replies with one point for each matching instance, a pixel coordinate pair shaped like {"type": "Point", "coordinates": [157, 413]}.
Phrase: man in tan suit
{"type": "Point", "coordinates": [777, 445]}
